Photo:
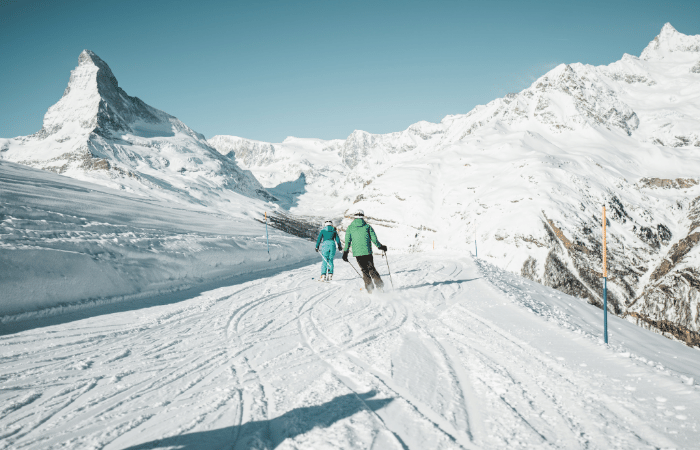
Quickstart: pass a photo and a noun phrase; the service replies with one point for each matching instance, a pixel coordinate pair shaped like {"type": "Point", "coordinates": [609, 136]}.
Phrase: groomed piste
{"type": "Point", "coordinates": [459, 355]}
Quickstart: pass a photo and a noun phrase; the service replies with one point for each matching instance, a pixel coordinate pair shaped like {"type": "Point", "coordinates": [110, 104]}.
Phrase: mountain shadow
{"type": "Point", "coordinates": [269, 434]}
{"type": "Point", "coordinates": [289, 192]}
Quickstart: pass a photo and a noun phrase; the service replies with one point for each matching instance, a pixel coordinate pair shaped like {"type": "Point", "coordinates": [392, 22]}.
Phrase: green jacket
{"type": "Point", "coordinates": [358, 237]}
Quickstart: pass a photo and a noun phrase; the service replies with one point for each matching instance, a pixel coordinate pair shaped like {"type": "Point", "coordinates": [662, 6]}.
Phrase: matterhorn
{"type": "Point", "coordinates": [97, 132]}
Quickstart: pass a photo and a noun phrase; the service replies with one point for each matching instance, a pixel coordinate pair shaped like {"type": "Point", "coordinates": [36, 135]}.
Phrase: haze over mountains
{"type": "Point", "coordinates": [525, 175]}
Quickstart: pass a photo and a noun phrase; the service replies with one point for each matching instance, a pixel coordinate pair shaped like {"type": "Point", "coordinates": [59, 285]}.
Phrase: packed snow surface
{"type": "Point", "coordinates": [458, 355]}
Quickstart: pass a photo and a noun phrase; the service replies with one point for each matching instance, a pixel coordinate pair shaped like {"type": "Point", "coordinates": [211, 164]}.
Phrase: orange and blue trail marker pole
{"type": "Point", "coordinates": [605, 281]}
{"type": "Point", "coordinates": [267, 236]}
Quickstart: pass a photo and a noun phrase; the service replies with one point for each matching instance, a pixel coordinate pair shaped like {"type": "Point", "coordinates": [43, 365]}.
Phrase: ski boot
{"type": "Point", "coordinates": [322, 278]}
{"type": "Point", "coordinates": [329, 277]}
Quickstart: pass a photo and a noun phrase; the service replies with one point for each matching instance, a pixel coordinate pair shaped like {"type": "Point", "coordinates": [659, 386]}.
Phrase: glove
{"type": "Point", "coordinates": [345, 256]}
{"type": "Point", "coordinates": [316, 249]}
{"type": "Point", "coordinates": [382, 248]}
{"type": "Point", "coordinates": [340, 248]}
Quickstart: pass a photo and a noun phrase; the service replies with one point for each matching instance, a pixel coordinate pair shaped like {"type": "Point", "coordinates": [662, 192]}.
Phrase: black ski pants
{"type": "Point", "coordinates": [369, 272]}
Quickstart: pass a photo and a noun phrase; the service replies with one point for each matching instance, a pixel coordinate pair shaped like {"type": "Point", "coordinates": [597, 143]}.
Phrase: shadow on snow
{"type": "Point", "coordinates": [289, 192]}
{"type": "Point", "coordinates": [437, 283]}
{"type": "Point", "coordinates": [269, 434]}
{"type": "Point", "coordinates": [88, 309]}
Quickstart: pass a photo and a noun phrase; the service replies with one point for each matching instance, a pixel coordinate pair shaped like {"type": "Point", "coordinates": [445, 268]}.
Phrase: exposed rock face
{"type": "Point", "coordinates": [671, 300]}
{"type": "Point", "coordinates": [97, 132]}
{"type": "Point", "coordinates": [678, 183]}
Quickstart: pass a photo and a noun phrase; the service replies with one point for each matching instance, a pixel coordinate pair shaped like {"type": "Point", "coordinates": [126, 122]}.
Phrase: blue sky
{"type": "Point", "coordinates": [271, 69]}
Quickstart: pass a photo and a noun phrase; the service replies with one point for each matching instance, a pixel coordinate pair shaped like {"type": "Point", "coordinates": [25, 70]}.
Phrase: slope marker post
{"type": "Point", "coordinates": [267, 236]}
{"type": "Point", "coordinates": [605, 280]}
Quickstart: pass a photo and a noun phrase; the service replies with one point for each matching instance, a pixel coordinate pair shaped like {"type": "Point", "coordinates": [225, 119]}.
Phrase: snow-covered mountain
{"type": "Point", "coordinates": [526, 176]}
{"type": "Point", "coordinates": [97, 132]}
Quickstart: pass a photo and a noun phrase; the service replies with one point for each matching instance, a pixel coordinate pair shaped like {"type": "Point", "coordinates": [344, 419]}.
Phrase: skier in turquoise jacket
{"type": "Point", "coordinates": [359, 237]}
{"type": "Point", "coordinates": [327, 240]}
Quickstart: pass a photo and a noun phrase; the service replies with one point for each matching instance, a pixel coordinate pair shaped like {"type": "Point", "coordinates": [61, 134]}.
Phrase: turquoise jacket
{"type": "Point", "coordinates": [358, 237]}
{"type": "Point", "coordinates": [329, 233]}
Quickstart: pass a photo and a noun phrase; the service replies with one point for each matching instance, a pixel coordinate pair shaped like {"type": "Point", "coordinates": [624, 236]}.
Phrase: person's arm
{"type": "Point", "coordinates": [337, 239]}
{"type": "Point", "coordinates": [348, 240]}
{"type": "Point", "coordinates": [373, 237]}
{"type": "Point", "coordinates": [318, 240]}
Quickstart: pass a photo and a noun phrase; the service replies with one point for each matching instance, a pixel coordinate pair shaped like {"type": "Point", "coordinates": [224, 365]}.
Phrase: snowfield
{"type": "Point", "coordinates": [459, 355]}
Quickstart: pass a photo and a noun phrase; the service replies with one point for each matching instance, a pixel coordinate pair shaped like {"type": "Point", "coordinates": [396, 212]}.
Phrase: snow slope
{"type": "Point", "coordinates": [460, 355]}
{"type": "Point", "coordinates": [526, 177]}
{"type": "Point", "coordinates": [68, 244]}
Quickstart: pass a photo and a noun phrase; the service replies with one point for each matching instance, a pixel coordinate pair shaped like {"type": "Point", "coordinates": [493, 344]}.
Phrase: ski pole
{"type": "Point", "coordinates": [387, 266]}
{"type": "Point", "coordinates": [353, 268]}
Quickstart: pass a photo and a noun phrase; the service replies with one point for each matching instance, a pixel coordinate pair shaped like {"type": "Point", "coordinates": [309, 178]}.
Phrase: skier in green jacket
{"type": "Point", "coordinates": [358, 237]}
{"type": "Point", "coordinates": [327, 235]}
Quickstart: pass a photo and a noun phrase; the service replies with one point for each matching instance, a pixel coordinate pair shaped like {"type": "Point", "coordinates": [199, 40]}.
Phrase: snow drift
{"type": "Point", "coordinates": [65, 241]}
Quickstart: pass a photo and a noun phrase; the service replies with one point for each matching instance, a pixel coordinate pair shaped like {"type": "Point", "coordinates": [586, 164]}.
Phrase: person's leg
{"type": "Point", "coordinates": [329, 254]}
{"type": "Point", "coordinates": [363, 262]}
{"type": "Point", "coordinates": [330, 258]}
{"type": "Point", "coordinates": [324, 266]}
{"type": "Point", "coordinates": [374, 274]}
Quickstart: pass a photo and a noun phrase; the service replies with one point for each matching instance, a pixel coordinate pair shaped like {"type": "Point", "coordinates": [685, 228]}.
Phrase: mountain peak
{"type": "Point", "coordinates": [668, 42]}
{"type": "Point", "coordinates": [667, 29]}
{"type": "Point", "coordinates": [94, 102]}
{"type": "Point", "coordinates": [88, 56]}
{"type": "Point", "coordinates": [105, 77]}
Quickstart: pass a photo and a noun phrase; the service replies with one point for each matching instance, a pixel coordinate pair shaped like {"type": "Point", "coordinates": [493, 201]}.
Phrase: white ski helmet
{"type": "Point", "coordinates": [328, 223]}
{"type": "Point", "coordinates": [358, 214]}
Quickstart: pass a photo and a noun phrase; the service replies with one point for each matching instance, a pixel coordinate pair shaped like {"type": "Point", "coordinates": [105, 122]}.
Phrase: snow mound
{"type": "Point", "coordinates": [66, 242]}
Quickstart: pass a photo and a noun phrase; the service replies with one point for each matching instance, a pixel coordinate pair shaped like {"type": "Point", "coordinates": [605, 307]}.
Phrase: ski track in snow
{"type": "Point", "coordinates": [453, 357]}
